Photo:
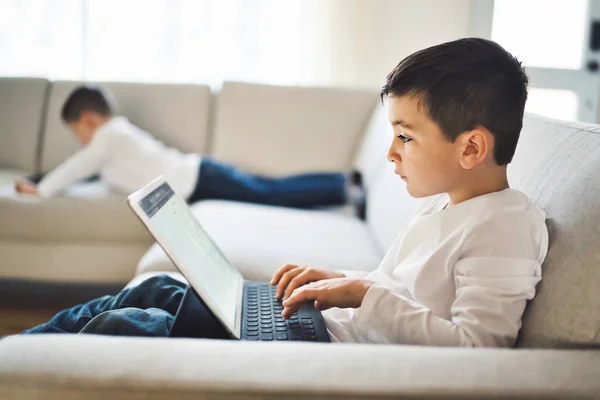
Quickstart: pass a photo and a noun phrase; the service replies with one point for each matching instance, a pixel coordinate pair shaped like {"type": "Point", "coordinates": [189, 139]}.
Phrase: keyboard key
{"type": "Point", "coordinates": [280, 324]}
{"type": "Point", "coordinates": [252, 323]}
{"type": "Point", "coordinates": [252, 320]}
{"type": "Point", "coordinates": [267, 330]}
{"type": "Point", "coordinates": [281, 336]}
{"type": "Point", "coordinates": [252, 338]}
{"type": "Point", "coordinates": [252, 328]}
{"type": "Point", "coordinates": [252, 333]}
{"type": "Point", "coordinates": [266, 336]}
{"type": "Point", "coordinates": [280, 329]}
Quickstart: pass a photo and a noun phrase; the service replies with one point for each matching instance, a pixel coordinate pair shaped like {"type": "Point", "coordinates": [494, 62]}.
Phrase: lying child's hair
{"type": "Point", "coordinates": [86, 98]}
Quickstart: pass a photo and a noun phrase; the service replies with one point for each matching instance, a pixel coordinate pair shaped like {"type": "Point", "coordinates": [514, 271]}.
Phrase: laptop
{"type": "Point", "coordinates": [217, 303]}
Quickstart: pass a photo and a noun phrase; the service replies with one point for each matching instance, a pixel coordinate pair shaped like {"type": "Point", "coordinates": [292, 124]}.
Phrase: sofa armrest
{"type": "Point", "coordinates": [100, 367]}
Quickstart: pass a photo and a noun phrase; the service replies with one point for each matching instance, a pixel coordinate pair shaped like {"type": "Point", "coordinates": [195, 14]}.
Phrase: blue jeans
{"type": "Point", "coordinates": [217, 180]}
{"type": "Point", "coordinates": [147, 309]}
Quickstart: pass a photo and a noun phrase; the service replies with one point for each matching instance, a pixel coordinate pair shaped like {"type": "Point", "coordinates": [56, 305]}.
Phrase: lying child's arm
{"type": "Point", "coordinates": [85, 162]}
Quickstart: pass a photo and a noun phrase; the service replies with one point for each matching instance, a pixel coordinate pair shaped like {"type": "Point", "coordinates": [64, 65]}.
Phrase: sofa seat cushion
{"type": "Point", "coordinates": [87, 212]}
{"type": "Point", "coordinates": [259, 239]}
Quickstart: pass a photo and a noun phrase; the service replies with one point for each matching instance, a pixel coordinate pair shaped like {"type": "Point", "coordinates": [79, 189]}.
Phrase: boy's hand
{"type": "Point", "coordinates": [341, 292]}
{"type": "Point", "coordinates": [26, 187]}
{"type": "Point", "coordinates": [290, 277]}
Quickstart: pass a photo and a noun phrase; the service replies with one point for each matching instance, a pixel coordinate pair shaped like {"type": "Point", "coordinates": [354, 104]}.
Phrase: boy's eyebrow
{"type": "Point", "coordinates": [403, 124]}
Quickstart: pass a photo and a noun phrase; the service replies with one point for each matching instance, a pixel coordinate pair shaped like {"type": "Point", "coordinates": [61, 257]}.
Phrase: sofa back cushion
{"type": "Point", "coordinates": [22, 103]}
{"type": "Point", "coordinates": [177, 114]}
{"type": "Point", "coordinates": [279, 130]}
{"type": "Point", "coordinates": [557, 164]}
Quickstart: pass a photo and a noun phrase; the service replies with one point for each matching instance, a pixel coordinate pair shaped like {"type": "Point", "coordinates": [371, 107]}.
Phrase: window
{"type": "Point", "coordinates": [542, 33]}
{"type": "Point", "coordinates": [206, 41]}
{"type": "Point", "coordinates": [554, 103]}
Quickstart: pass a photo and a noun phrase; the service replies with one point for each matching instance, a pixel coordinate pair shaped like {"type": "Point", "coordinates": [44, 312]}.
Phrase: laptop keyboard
{"type": "Point", "coordinates": [264, 320]}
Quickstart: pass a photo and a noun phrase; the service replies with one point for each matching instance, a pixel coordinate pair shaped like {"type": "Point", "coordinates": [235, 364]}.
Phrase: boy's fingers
{"type": "Point", "coordinates": [288, 311]}
{"type": "Point", "coordinates": [285, 280]}
{"type": "Point", "coordinates": [301, 279]}
{"type": "Point", "coordinates": [300, 295]}
{"type": "Point", "coordinates": [280, 272]}
{"type": "Point", "coordinates": [322, 306]}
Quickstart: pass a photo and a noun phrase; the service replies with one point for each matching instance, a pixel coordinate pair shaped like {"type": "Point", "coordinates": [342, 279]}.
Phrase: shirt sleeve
{"type": "Point", "coordinates": [85, 162]}
{"type": "Point", "coordinates": [491, 294]}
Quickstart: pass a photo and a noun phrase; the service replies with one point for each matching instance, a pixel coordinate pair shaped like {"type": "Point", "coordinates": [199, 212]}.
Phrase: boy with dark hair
{"type": "Point", "coordinates": [465, 266]}
{"type": "Point", "coordinates": [127, 158]}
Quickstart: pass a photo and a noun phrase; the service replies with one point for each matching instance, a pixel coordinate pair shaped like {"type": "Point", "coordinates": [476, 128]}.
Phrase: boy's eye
{"type": "Point", "coordinates": [404, 139]}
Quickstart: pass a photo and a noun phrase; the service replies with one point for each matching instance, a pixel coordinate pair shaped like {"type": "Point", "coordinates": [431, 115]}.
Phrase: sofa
{"type": "Point", "coordinates": [280, 130]}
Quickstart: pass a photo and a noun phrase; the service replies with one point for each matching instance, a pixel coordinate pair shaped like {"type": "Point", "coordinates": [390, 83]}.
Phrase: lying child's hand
{"type": "Point", "coordinates": [26, 187]}
{"type": "Point", "coordinates": [290, 277]}
{"type": "Point", "coordinates": [340, 292]}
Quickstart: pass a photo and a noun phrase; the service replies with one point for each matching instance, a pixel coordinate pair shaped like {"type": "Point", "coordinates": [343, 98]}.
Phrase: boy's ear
{"type": "Point", "coordinates": [476, 145]}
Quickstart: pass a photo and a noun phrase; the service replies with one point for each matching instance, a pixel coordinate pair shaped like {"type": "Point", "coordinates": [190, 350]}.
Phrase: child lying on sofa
{"type": "Point", "coordinates": [126, 158]}
{"type": "Point", "coordinates": [463, 269]}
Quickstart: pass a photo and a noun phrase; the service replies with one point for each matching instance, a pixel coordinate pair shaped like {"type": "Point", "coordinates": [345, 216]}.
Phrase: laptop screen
{"type": "Point", "coordinates": [194, 252]}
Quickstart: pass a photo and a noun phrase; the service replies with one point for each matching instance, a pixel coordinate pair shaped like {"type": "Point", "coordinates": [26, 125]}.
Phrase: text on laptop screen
{"type": "Point", "coordinates": [183, 237]}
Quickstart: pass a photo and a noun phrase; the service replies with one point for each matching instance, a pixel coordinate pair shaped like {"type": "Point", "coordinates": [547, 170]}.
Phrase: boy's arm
{"type": "Point", "coordinates": [85, 162]}
{"type": "Point", "coordinates": [491, 294]}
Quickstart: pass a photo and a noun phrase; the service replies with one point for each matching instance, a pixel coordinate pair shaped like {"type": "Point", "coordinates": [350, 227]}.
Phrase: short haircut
{"type": "Point", "coordinates": [464, 84]}
{"type": "Point", "coordinates": [86, 98]}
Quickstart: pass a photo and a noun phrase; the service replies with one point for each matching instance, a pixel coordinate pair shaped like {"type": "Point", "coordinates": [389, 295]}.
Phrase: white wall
{"type": "Point", "coordinates": [370, 37]}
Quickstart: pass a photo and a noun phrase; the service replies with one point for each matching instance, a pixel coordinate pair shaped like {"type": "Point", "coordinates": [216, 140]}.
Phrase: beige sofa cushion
{"type": "Point", "coordinates": [174, 113]}
{"type": "Point", "coordinates": [96, 367]}
{"type": "Point", "coordinates": [259, 239]}
{"type": "Point", "coordinates": [558, 166]}
{"type": "Point", "coordinates": [281, 130]}
{"type": "Point", "coordinates": [88, 213]}
{"type": "Point", "coordinates": [22, 102]}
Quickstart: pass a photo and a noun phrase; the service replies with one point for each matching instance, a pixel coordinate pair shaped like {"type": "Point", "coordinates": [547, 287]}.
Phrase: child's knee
{"type": "Point", "coordinates": [130, 322]}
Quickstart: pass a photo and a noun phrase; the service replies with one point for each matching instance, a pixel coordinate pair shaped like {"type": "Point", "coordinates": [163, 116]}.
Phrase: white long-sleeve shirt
{"type": "Point", "coordinates": [127, 158]}
{"type": "Point", "coordinates": [459, 276]}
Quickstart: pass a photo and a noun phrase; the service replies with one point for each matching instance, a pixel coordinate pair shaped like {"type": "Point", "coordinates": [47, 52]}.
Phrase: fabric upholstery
{"type": "Point", "coordinates": [75, 261]}
{"type": "Point", "coordinates": [88, 212]}
{"type": "Point", "coordinates": [22, 105]}
{"type": "Point", "coordinates": [174, 113]}
{"type": "Point", "coordinates": [99, 367]}
{"type": "Point", "coordinates": [279, 130]}
{"type": "Point", "coordinates": [557, 165]}
{"type": "Point", "coordinates": [259, 239]}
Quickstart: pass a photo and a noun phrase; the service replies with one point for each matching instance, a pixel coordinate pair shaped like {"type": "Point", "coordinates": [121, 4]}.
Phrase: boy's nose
{"type": "Point", "coordinates": [392, 156]}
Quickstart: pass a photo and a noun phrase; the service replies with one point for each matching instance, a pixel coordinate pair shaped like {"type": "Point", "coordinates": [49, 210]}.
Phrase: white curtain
{"type": "Point", "coordinates": [206, 41]}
